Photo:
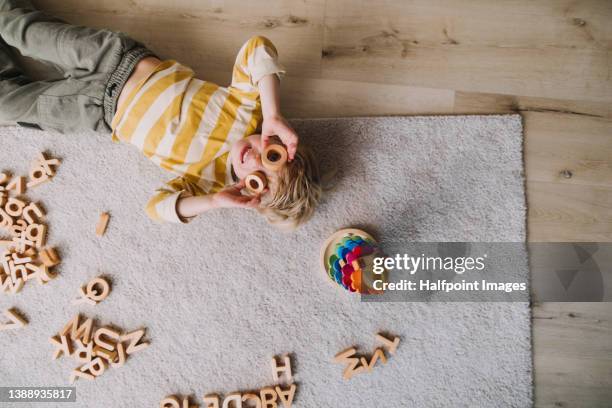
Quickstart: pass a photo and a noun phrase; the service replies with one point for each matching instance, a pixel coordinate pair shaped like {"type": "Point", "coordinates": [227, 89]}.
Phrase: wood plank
{"type": "Point", "coordinates": [568, 212]}
{"type": "Point", "coordinates": [207, 35]}
{"type": "Point", "coordinates": [568, 149]}
{"type": "Point", "coordinates": [474, 102]}
{"type": "Point", "coordinates": [311, 97]}
{"type": "Point", "coordinates": [555, 50]}
{"type": "Point", "coordinates": [572, 354]}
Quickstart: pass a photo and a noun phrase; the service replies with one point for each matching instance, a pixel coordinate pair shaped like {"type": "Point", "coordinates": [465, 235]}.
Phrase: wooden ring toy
{"type": "Point", "coordinates": [274, 157]}
{"type": "Point", "coordinates": [256, 182]}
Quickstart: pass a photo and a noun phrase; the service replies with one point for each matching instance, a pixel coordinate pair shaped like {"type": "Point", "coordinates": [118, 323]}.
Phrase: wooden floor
{"type": "Point", "coordinates": [551, 60]}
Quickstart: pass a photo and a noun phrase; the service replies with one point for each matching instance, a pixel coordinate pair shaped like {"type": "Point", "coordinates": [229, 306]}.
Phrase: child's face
{"type": "Point", "coordinates": [245, 156]}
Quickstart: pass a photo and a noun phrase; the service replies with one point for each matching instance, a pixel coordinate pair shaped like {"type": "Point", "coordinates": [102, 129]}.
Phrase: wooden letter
{"type": "Point", "coordinates": [6, 221]}
{"type": "Point", "coordinates": [286, 397]}
{"type": "Point", "coordinates": [211, 401]}
{"type": "Point", "coordinates": [78, 331]}
{"type": "Point", "coordinates": [83, 298]}
{"type": "Point", "coordinates": [120, 356]}
{"type": "Point", "coordinates": [378, 354]}
{"type": "Point", "coordinates": [391, 344]}
{"type": "Point", "coordinates": [344, 357]}
{"type": "Point", "coordinates": [107, 332]}
{"type": "Point", "coordinates": [41, 272]}
{"type": "Point", "coordinates": [236, 398]}
{"type": "Point", "coordinates": [37, 234]}
{"type": "Point", "coordinates": [49, 257]}
{"type": "Point", "coordinates": [77, 373]}
{"type": "Point", "coordinates": [21, 243]}
{"type": "Point", "coordinates": [32, 208]}
{"type": "Point", "coordinates": [15, 320]}
{"type": "Point", "coordinates": [268, 397]}
{"type": "Point", "coordinates": [46, 164]}
{"type": "Point", "coordinates": [102, 293]}
{"type": "Point", "coordinates": [83, 353]}
{"type": "Point", "coordinates": [252, 397]}
{"type": "Point", "coordinates": [134, 337]}
{"type": "Point", "coordinates": [285, 368]}
{"type": "Point", "coordinates": [17, 184]}
{"type": "Point", "coordinates": [14, 207]}
{"type": "Point", "coordinates": [170, 401]}
{"type": "Point", "coordinates": [62, 346]}
{"type": "Point", "coordinates": [102, 223]}
{"type": "Point", "coordinates": [97, 366]}
{"type": "Point", "coordinates": [18, 227]}
{"type": "Point", "coordinates": [37, 176]}
{"type": "Point", "coordinates": [104, 353]}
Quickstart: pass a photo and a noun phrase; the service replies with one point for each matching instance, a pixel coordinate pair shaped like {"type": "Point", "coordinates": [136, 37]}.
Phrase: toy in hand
{"type": "Point", "coordinates": [274, 158]}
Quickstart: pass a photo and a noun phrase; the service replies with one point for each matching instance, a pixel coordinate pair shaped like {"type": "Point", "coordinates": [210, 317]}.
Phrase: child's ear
{"type": "Point", "coordinates": [233, 174]}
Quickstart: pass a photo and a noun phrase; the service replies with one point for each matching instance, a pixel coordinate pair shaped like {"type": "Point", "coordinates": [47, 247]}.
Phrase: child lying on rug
{"type": "Point", "coordinates": [203, 133]}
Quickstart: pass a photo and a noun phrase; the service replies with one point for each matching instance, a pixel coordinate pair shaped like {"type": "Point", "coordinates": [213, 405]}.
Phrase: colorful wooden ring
{"type": "Point", "coordinates": [356, 281]}
{"type": "Point", "coordinates": [336, 265]}
{"type": "Point", "coordinates": [347, 269]}
{"type": "Point", "coordinates": [274, 157]}
{"type": "Point", "coordinates": [256, 182]}
{"type": "Point", "coordinates": [338, 277]}
{"type": "Point", "coordinates": [346, 240]}
{"type": "Point", "coordinates": [350, 257]}
{"type": "Point", "coordinates": [351, 244]}
{"type": "Point", "coordinates": [346, 281]}
{"type": "Point", "coordinates": [341, 252]}
{"type": "Point", "coordinates": [331, 260]}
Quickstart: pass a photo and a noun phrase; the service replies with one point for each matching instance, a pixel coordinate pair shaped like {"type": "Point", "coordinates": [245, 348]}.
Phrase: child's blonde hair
{"type": "Point", "coordinates": [296, 192]}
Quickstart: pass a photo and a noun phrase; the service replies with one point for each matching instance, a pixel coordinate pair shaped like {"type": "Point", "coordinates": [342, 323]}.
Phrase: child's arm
{"type": "Point", "coordinates": [182, 200]}
{"type": "Point", "coordinates": [229, 197]}
{"type": "Point", "coordinates": [273, 121]}
{"type": "Point", "coordinates": [257, 70]}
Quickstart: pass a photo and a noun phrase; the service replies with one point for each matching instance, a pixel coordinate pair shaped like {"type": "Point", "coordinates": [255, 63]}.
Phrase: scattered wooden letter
{"type": "Point", "coordinates": [211, 401]}
{"type": "Point", "coordinates": [32, 208]}
{"type": "Point", "coordinates": [102, 224]}
{"type": "Point", "coordinates": [107, 332]}
{"type": "Point", "coordinates": [62, 346]}
{"type": "Point", "coordinates": [391, 344]}
{"type": "Point", "coordinates": [286, 396]}
{"type": "Point", "coordinates": [250, 397]}
{"type": "Point", "coordinates": [18, 184]}
{"type": "Point", "coordinates": [285, 368]}
{"type": "Point", "coordinates": [134, 338]}
{"type": "Point", "coordinates": [268, 397]}
{"type": "Point", "coordinates": [77, 330]}
{"type": "Point", "coordinates": [77, 373]}
{"type": "Point", "coordinates": [49, 257]}
{"type": "Point", "coordinates": [16, 321]}
{"type": "Point", "coordinates": [378, 354]}
{"type": "Point", "coordinates": [236, 398]}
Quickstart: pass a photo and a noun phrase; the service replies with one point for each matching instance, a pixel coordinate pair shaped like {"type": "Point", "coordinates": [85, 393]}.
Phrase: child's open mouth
{"type": "Point", "coordinates": [245, 151]}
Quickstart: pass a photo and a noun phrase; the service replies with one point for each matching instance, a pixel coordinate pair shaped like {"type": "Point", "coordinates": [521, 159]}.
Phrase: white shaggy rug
{"type": "Point", "coordinates": [223, 294]}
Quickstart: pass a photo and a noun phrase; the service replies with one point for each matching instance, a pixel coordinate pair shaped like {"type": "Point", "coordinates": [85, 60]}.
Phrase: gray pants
{"type": "Point", "coordinates": [96, 64]}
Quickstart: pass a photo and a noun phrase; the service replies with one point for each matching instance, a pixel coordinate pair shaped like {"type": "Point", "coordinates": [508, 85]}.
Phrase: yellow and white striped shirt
{"type": "Point", "coordinates": [187, 126]}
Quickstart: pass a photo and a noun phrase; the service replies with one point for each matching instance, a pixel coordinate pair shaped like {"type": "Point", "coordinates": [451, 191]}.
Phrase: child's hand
{"type": "Point", "coordinates": [278, 126]}
{"type": "Point", "coordinates": [231, 197]}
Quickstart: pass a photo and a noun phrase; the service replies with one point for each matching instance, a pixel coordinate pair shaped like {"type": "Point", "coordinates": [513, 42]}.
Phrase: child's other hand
{"type": "Point", "coordinates": [231, 197]}
{"type": "Point", "coordinates": [278, 126]}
